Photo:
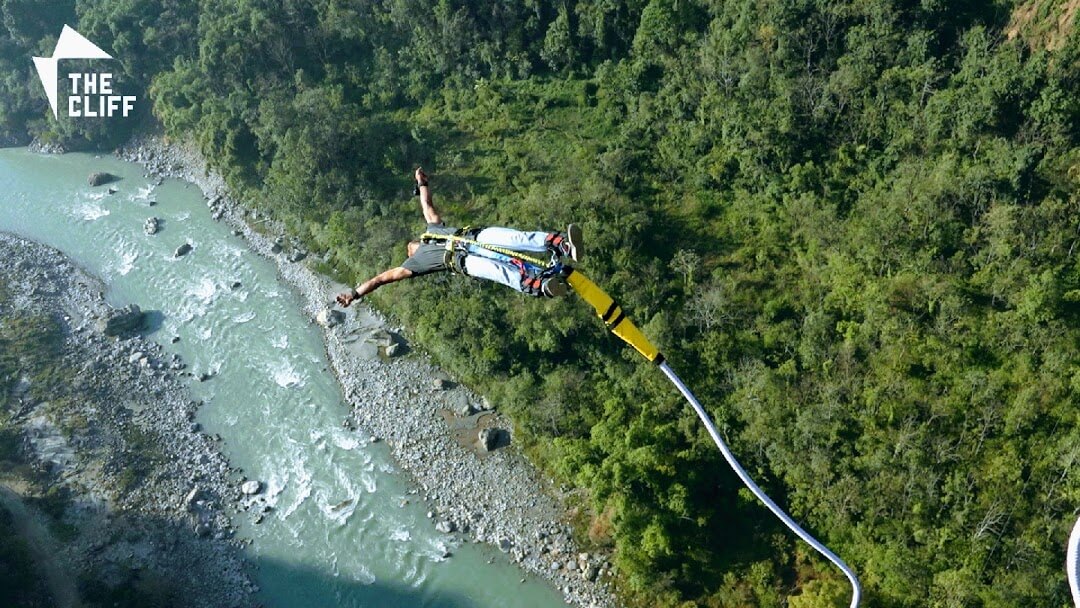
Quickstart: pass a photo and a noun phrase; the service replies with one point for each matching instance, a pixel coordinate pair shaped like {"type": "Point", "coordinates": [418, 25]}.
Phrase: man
{"type": "Point", "coordinates": [434, 254]}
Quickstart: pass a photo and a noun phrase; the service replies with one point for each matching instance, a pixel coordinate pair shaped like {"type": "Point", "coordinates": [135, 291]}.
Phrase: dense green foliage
{"type": "Point", "coordinates": [851, 226]}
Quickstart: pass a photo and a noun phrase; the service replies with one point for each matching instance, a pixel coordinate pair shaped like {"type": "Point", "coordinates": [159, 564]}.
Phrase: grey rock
{"type": "Point", "coordinates": [489, 439]}
{"type": "Point", "coordinates": [250, 488]}
{"type": "Point", "coordinates": [297, 255]}
{"type": "Point", "coordinates": [393, 349]}
{"type": "Point", "coordinates": [182, 250]}
{"type": "Point", "coordinates": [151, 226]}
{"type": "Point", "coordinates": [123, 321]}
{"type": "Point", "coordinates": [101, 178]}
{"type": "Point", "coordinates": [329, 317]}
{"type": "Point", "coordinates": [191, 498]}
{"type": "Point", "coordinates": [439, 384]}
{"type": "Point", "coordinates": [446, 527]}
{"type": "Point", "coordinates": [382, 338]}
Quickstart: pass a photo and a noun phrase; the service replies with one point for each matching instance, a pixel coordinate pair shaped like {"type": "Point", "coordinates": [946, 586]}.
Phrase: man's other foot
{"type": "Point", "coordinates": [574, 244]}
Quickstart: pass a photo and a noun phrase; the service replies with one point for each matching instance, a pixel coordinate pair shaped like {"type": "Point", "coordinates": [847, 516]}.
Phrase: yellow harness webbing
{"type": "Point", "coordinates": [454, 238]}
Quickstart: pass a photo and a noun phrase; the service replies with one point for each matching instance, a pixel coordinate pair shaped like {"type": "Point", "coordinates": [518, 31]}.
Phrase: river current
{"type": "Point", "coordinates": [345, 529]}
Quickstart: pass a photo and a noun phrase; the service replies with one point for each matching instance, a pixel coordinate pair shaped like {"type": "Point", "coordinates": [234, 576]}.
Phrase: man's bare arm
{"type": "Point", "coordinates": [431, 214]}
{"type": "Point", "coordinates": [370, 285]}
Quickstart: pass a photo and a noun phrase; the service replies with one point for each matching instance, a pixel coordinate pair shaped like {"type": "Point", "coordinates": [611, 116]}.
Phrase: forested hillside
{"type": "Point", "coordinates": [852, 226]}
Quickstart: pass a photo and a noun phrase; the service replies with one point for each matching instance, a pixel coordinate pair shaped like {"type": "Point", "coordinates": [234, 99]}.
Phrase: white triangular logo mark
{"type": "Point", "coordinates": [72, 45]}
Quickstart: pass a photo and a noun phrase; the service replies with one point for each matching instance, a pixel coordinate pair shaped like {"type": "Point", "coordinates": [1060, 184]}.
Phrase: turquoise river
{"type": "Point", "coordinates": [272, 397]}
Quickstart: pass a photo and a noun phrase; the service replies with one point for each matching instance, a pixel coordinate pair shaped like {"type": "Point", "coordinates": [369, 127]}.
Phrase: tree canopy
{"type": "Point", "coordinates": [851, 226]}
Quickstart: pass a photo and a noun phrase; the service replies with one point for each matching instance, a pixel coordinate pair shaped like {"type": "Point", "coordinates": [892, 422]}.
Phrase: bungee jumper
{"type": "Point", "coordinates": [495, 254]}
{"type": "Point", "coordinates": [507, 256]}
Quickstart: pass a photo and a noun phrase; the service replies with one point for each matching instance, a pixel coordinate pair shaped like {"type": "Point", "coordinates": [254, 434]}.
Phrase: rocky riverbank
{"type": "Point", "coordinates": [432, 425]}
{"type": "Point", "coordinates": [109, 442]}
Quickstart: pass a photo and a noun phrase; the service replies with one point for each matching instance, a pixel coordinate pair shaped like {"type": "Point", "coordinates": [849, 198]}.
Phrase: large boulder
{"type": "Point", "coordinates": [182, 250]}
{"type": "Point", "coordinates": [491, 438]}
{"type": "Point", "coordinates": [123, 321]}
{"type": "Point", "coordinates": [101, 178]}
{"type": "Point", "coordinates": [382, 338]}
{"type": "Point", "coordinates": [329, 317]}
{"type": "Point", "coordinates": [251, 488]}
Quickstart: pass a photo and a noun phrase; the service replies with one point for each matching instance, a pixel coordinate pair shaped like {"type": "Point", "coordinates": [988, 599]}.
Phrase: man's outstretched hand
{"type": "Point", "coordinates": [421, 177]}
{"type": "Point", "coordinates": [347, 297]}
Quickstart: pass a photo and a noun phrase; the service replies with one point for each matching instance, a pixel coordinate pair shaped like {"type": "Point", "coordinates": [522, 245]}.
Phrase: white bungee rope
{"type": "Point", "coordinates": [1072, 563]}
{"type": "Point", "coordinates": [856, 592]}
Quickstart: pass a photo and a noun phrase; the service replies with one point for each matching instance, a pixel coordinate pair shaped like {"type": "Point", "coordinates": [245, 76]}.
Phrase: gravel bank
{"type": "Point", "coordinates": [145, 492]}
{"type": "Point", "coordinates": [497, 497]}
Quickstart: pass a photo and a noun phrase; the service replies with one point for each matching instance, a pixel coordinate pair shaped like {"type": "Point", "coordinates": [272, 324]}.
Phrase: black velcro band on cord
{"type": "Point", "coordinates": [618, 319]}
{"type": "Point", "coordinates": [610, 311]}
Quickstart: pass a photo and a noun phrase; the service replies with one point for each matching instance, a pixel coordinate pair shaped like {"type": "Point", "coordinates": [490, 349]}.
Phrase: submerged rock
{"type": "Point", "coordinates": [182, 250]}
{"type": "Point", "coordinates": [101, 178]}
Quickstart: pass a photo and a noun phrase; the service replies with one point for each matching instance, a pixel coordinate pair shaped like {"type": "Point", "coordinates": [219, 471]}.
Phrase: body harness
{"type": "Point", "coordinates": [533, 270]}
